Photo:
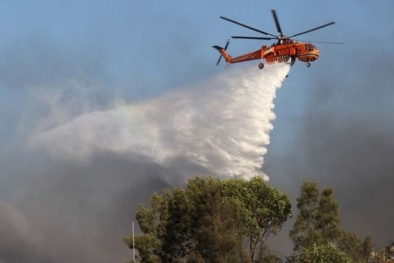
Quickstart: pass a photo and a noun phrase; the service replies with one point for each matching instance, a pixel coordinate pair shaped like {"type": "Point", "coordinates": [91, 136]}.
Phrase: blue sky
{"type": "Point", "coordinates": [162, 45]}
{"type": "Point", "coordinates": [333, 123]}
{"type": "Point", "coordinates": [147, 38]}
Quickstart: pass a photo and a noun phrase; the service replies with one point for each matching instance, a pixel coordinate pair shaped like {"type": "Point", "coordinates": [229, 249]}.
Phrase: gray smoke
{"type": "Point", "coordinates": [56, 211]}
{"type": "Point", "coordinates": [72, 174]}
{"type": "Point", "coordinates": [345, 140]}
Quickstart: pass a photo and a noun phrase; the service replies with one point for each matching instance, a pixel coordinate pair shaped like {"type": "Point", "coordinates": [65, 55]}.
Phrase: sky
{"type": "Point", "coordinates": [81, 63]}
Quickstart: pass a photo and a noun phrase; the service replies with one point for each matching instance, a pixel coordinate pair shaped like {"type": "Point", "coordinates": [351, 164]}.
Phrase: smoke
{"type": "Point", "coordinates": [354, 146]}
{"type": "Point", "coordinates": [76, 158]}
{"type": "Point", "coordinates": [345, 140]}
{"type": "Point", "coordinates": [78, 161]}
{"type": "Point", "coordinates": [219, 126]}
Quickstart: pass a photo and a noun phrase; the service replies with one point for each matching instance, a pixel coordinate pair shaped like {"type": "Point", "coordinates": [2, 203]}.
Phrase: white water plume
{"type": "Point", "coordinates": [222, 125]}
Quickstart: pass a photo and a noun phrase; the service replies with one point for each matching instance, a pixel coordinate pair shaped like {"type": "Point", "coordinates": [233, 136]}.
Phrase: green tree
{"type": "Point", "coordinates": [318, 218]}
{"type": "Point", "coordinates": [351, 244]}
{"type": "Point", "coordinates": [210, 221]}
{"type": "Point", "coordinates": [327, 219]}
{"type": "Point", "coordinates": [368, 248]}
{"type": "Point", "coordinates": [386, 253]}
{"type": "Point", "coordinates": [265, 256]}
{"type": "Point", "coordinates": [304, 232]}
{"type": "Point", "coordinates": [320, 253]}
{"type": "Point", "coordinates": [267, 209]}
{"type": "Point", "coordinates": [318, 223]}
{"type": "Point", "coordinates": [216, 221]}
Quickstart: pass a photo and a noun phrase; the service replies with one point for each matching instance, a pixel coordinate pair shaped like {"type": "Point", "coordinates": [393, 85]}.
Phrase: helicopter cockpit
{"type": "Point", "coordinates": [309, 47]}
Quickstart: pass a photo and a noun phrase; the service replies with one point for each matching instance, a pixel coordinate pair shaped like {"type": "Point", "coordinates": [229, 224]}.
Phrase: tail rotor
{"type": "Point", "coordinates": [225, 48]}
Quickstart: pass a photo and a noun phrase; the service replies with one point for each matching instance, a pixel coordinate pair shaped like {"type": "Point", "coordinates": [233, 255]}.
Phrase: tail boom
{"type": "Point", "coordinates": [258, 54]}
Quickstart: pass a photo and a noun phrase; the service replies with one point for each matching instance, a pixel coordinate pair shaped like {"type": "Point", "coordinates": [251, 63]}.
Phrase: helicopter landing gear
{"type": "Point", "coordinates": [308, 64]}
{"type": "Point", "coordinates": [261, 66]}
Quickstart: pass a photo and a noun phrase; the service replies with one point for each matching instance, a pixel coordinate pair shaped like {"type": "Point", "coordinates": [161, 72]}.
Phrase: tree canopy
{"type": "Point", "coordinates": [318, 218]}
{"type": "Point", "coordinates": [210, 220]}
{"type": "Point", "coordinates": [218, 221]}
{"type": "Point", "coordinates": [320, 253]}
{"type": "Point", "coordinates": [368, 248]}
{"type": "Point", "coordinates": [317, 228]}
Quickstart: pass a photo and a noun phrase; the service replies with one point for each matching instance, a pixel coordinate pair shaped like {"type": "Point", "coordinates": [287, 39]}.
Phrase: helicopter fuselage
{"type": "Point", "coordinates": [278, 53]}
{"type": "Point", "coordinates": [286, 52]}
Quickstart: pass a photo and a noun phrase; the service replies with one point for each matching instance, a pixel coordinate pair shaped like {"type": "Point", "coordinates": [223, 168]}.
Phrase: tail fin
{"type": "Point", "coordinates": [222, 51]}
{"type": "Point", "coordinates": [218, 48]}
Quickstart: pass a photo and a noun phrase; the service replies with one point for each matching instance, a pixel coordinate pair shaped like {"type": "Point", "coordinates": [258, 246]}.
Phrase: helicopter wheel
{"type": "Point", "coordinates": [261, 66]}
{"type": "Point", "coordinates": [308, 64]}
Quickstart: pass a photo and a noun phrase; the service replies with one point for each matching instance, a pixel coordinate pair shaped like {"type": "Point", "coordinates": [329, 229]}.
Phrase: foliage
{"type": "Point", "coordinates": [368, 248]}
{"type": "Point", "coordinates": [318, 218]}
{"type": "Point", "coordinates": [351, 245]}
{"type": "Point", "coordinates": [328, 221]}
{"type": "Point", "coordinates": [265, 256]}
{"type": "Point", "coordinates": [267, 208]}
{"type": "Point", "coordinates": [320, 253]}
{"type": "Point", "coordinates": [304, 230]}
{"type": "Point", "coordinates": [318, 223]}
{"type": "Point", "coordinates": [386, 253]}
{"type": "Point", "coordinates": [211, 220]}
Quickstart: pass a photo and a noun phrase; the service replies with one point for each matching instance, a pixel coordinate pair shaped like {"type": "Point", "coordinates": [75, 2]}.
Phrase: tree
{"type": "Point", "coordinates": [265, 256]}
{"type": "Point", "coordinates": [386, 253]}
{"type": "Point", "coordinates": [267, 209]}
{"type": "Point", "coordinates": [351, 245]}
{"type": "Point", "coordinates": [216, 220]}
{"type": "Point", "coordinates": [318, 218]}
{"type": "Point", "coordinates": [328, 221]}
{"type": "Point", "coordinates": [318, 223]}
{"type": "Point", "coordinates": [304, 232]}
{"type": "Point", "coordinates": [320, 253]}
{"type": "Point", "coordinates": [368, 248]}
{"type": "Point", "coordinates": [210, 221]}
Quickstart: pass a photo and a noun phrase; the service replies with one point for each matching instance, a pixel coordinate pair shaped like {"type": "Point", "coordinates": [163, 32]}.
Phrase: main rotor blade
{"type": "Point", "coordinates": [251, 28]}
{"type": "Point", "coordinates": [323, 42]}
{"type": "Point", "coordinates": [217, 63]}
{"type": "Point", "coordinates": [328, 24]}
{"type": "Point", "coordinates": [277, 23]}
{"type": "Point", "coordinates": [228, 42]}
{"type": "Point", "coordinates": [260, 38]}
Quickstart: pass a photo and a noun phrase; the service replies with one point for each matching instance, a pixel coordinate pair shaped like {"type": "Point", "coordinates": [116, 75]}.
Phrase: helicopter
{"type": "Point", "coordinates": [285, 50]}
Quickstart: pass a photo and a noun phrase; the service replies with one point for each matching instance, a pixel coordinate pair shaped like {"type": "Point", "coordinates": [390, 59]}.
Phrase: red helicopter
{"type": "Point", "coordinates": [285, 50]}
